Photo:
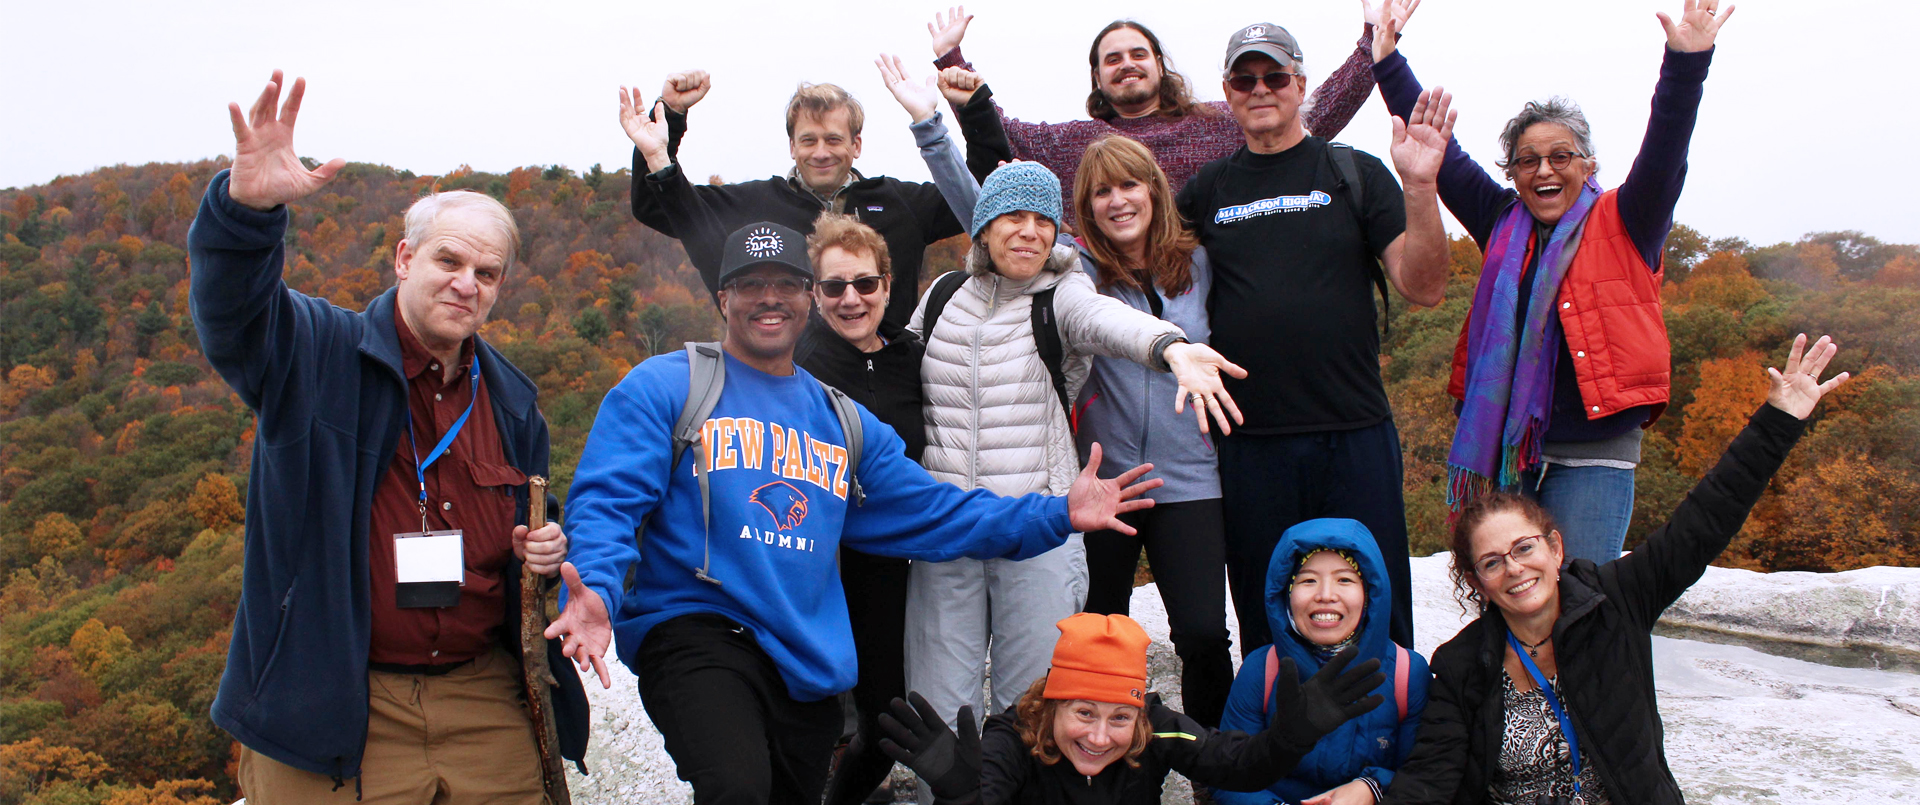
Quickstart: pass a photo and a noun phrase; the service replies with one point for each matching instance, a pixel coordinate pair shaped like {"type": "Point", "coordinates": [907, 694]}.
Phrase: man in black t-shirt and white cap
{"type": "Point", "coordinates": [1294, 246]}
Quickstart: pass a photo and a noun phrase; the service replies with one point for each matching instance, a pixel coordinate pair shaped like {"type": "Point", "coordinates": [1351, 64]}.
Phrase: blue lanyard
{"type": "Point", "coordinates": [419, 466]}
{"type": "Point", "coordinates": [1553, 701]}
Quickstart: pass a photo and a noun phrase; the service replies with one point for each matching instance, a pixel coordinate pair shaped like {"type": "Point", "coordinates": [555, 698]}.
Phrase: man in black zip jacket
{"type": "Point", "coordinates": [823, 132]}
{"type": "Point", "coordinates": [848, 345]}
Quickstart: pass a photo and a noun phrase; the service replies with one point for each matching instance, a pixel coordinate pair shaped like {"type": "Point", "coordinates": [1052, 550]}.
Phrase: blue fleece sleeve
{"type": "Point", "coordinates": [1408, 730]}
{"type": "Point", "coordinates": [1652, 188]}
{"type": "Point", "coordinates": [1473, 196]}
{"type": "Point", "coordinates": [258, 333]}
{"type": "Point", "coordinates": [1245, 713]}
{"type": "Point", "coordinates": [623, 475]}
{"type": "Point", "coordinates": [909, 514]}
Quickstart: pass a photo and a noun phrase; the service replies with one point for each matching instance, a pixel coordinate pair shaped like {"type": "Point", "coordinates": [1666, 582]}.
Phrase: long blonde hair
{"type": "Point", "coordinates": [1169, 256]}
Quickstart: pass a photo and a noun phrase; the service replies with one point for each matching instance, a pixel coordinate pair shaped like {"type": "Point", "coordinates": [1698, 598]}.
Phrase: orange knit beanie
{"type": "Point", "coordinates": [1100, 658]}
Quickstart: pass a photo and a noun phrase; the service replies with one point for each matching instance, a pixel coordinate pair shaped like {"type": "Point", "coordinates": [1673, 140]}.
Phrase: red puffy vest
{"type": "Point", "coordinates": [1610, 310]}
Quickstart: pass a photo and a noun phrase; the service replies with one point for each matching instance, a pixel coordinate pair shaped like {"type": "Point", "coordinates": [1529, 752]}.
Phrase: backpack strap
{"type": "Point", "coordinates": [1347, 174]}
{"type": "Point", "coordinates": [937, 296]}
{"type": "Point", "coordinates": [706, 377]}
{"type": "Point", "coordinates": [1400, 672]}
{"type": "Point", "coordinates": [849, 416]}
{"type": "Point", "coordinates": [1273, 670]}
{"type": "Point", "coordinates": [1053, 351]}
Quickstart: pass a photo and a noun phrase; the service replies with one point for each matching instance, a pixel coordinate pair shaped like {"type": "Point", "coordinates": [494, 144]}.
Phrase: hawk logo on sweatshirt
{"type": "Point", "coordinates": [786, 504]}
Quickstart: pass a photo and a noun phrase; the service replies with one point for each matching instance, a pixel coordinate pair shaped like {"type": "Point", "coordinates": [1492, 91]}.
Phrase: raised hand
{"type": "Point", "coordinates": [957, 85]}
{"type": "Point", "coordinates": [1388, 21]}
{"type": "Point", "coordinates": [918, 738]}
{"type": "Point", "coordinates": [1198, 368]}
{"type": "Point", "coordinates": [1420, 141]}
{"type": "Point", "coordinates": [919, 98]}
{"type": "Point", "coordinates": [683, 89]}
{"type": "Point", "coordinates": [1330, 698]}
{"type": "Point", "coordinates": [947, 30]}
{"type": "Point", "coordinates": [1700, 22]}
{"type": "Point", "coordinates": [584, 625]}
{"type": "Point", "coordinates": [1095, 503]}
{"type": "Point", "coordinates": [1799, 389]}
{"type": "Point", "coordinates": [647, 130]}
{"type": "Point", "coordinates": [266, 171]}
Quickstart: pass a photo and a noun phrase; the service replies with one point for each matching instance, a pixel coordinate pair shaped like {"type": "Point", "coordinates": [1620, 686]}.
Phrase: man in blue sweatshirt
{"type": "Point", "coordinates": [733, 618]}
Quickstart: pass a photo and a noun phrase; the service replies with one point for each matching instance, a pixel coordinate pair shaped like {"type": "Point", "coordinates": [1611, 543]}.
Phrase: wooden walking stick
{"type": "Point", "coordinates": [533, 658]}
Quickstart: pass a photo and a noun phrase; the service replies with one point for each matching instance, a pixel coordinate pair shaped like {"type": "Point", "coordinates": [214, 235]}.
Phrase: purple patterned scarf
{"type": "Point", "coordinates": [1509, 383]}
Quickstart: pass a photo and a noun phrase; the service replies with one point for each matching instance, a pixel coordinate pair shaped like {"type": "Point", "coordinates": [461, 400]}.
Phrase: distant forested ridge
{"type": "Point", "coordinates": [123, 454]}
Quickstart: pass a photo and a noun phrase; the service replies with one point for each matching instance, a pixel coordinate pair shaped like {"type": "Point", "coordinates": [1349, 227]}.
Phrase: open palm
{"type": "Point", "coordinates": [1699, 24]}
{"type": "Point", "coordinates": [1798, 389]}
{"type": "Point", "coordinates": [266, 171]}
{"type": "Point", "coordinates": [1420, 141]}
{"type": "Point", "coordinates": [647, 131]}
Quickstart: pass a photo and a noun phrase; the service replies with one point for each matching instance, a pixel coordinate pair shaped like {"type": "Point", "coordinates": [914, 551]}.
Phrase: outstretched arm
{"type": "Point", "coordinates": [1419, 270]}
{"type": "Point", "coordinates": [1652, 187]}
{"type": "Point", "coordinates": [1340, 96]}
{"type": "Point", "coordinates": [980, 124]}
{"type": "Point", "coordinates": [1470, 193]}
{"type": "Point", "coordinates": [1659, 570]}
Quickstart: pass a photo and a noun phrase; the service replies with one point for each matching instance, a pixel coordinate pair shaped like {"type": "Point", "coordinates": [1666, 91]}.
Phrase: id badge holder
{"type": "Point", "coordinates": [430, 568]}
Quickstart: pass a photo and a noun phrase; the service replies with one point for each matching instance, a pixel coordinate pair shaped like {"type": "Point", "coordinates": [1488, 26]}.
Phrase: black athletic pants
{"type": "Point", "coordinates": [876, 590]}
{"type": "Point", "coordinates": [1269, 483]}
{"type": "Point", "coordinates": [731, 728]}
{"type": "Point", "coordinates": [1186, 548]}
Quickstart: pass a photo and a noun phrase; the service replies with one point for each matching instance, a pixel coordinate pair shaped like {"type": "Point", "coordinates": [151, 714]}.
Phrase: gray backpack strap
{"type": "Point", "coordinates": [843, 408]}
{"type": "Point", "coordinates": [706, 376]}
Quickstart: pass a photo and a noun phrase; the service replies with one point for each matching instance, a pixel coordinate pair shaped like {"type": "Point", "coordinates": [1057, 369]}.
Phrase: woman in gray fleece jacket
{"type": "Point", "coordinates": [994, 421]}
{"type": "Point", "coordinates": [1135, 248]}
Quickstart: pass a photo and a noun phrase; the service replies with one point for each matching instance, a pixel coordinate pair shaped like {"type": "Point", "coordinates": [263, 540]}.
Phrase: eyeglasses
{"type": "Point", "coordinates": [1531, 162]}
{"type": "Point", "coordinates": [1522, 550]}
{"type": "Point", "coordinates": [832, 289]}
{"type": "Point", "coordinates": [1243, 84]}
{"type": "Point", "coordinates": [782, 286]}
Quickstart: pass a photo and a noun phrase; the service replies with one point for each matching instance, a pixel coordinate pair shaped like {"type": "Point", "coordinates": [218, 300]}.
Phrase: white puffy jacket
{"type": "Point", "coordinates": [992, 419]}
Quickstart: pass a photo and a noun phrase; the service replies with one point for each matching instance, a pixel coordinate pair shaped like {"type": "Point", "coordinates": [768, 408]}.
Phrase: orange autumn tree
{"type": "Point", "coordinates": [1730, 390]}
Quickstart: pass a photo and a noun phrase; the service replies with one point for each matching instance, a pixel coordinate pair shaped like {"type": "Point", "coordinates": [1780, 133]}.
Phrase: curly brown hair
{"type": "Point", "coordinates": [1466, 587]}
{"type": "Point", "coordinates": [1170, 245]}
{"type": "Point", "coordinates": [846, 232]}
{"type": "Point", "coordinates": [1036, 712]}
{"type": "Point", "coordinates": [1176, 100]}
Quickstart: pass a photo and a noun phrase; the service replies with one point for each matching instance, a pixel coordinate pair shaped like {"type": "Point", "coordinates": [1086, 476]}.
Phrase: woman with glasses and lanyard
{"type": "Point", "coordinates": [1549, 695]}
{"type": "Point", "coordinates": [1564, 359]}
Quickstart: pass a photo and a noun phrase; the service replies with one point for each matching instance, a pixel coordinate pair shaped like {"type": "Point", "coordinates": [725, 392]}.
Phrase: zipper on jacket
{"type": "Point", "coordinates": [871, 394]}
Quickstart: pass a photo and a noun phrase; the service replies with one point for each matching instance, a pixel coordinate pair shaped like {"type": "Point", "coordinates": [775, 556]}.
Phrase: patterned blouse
{"type": "Point", "coordinates": [1534, 761]}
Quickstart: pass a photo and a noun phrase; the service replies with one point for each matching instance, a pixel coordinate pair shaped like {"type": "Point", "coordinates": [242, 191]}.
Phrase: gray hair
{"type": "Point", "coordinates": [1555, 110]}
{"type": "Point", "coordinates": [423, 216]}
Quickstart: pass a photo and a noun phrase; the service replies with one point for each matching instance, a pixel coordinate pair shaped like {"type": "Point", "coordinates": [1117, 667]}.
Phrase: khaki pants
{"type": "Point", "coordinates": [457, 739]}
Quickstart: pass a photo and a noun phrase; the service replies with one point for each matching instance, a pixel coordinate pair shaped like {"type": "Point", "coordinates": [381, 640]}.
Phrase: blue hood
{"type": "Point", "coordinates": [1338, 534]}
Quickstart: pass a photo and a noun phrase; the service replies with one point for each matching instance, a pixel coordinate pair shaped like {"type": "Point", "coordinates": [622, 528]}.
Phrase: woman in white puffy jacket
{"type": "Point", "coordinates": [994, 420]}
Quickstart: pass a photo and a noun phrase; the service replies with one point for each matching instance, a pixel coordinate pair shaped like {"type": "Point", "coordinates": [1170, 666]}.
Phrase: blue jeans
{"type": "Point", "coordinates": [1593, 506]}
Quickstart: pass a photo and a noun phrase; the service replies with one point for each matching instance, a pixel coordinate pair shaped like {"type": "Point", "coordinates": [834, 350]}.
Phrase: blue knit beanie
{"type": "Point", "coordinates": [1017, 186]}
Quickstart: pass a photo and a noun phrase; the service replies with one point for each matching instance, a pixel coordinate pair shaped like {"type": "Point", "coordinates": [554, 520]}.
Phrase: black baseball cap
{"type": "Point", "coordinates": [764, 244]}
{"type": "Point", "coordinates": [1264, 38]}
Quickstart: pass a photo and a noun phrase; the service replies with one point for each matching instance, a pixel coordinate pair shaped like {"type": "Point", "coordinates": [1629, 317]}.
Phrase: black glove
{"type": "Point", "coordinates": [1334, 695]}
{"type": "Point", "coordinates": [949, 764]}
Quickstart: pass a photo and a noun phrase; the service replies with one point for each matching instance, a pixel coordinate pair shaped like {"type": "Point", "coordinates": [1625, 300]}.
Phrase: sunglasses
{"type": "Point", "coordinates": [832, 289]}
{"type": "Point", "coordinates": [1244, 83]}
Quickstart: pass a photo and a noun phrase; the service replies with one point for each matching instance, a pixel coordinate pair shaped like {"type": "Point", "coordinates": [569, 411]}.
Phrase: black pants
{"type": "Point", "coordinates": [731, 728]}
{"type": "Point", "coordinates": [1269, 483]}
{"type": "Point", "coordinates": [1186, 549]}
{"type": "Point", "coordinates": [876, 590]}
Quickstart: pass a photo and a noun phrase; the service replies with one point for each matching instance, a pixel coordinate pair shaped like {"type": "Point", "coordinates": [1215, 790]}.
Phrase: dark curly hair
{"type": "Point", "coordinates": [1466, 589]}
{"type": "Point", "coordinates": [1176, 100]}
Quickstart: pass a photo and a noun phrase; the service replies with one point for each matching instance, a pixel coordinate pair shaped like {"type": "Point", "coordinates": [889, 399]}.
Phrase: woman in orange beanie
{"type": "Point", "coordinates": [1092, 710]}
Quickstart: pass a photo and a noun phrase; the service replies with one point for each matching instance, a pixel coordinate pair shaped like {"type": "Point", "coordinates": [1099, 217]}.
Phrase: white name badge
{"type": "Point", "coordinates": [430, 567]}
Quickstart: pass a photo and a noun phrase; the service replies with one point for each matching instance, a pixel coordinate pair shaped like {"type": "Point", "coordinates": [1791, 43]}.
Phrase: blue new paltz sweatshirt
{"type": "Point", "coordinates": [779, 486]}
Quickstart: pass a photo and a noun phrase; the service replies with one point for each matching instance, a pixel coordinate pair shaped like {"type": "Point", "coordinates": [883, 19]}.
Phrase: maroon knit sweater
{"type": "Point", "coordinates": [1182, 144]}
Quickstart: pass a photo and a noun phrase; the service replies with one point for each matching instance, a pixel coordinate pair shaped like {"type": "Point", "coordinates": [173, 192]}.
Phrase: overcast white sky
{"type": "Point", "coordinates": [1807, 123]}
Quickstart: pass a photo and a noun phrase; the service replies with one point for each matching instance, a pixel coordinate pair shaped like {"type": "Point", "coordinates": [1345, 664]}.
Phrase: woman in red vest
{"type": "Point", "coordinates": [1564, 359]}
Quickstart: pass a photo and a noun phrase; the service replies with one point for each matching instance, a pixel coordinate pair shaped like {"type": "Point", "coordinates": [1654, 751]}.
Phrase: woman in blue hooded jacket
{"type": "Point", "coordinates": [1325, 593]}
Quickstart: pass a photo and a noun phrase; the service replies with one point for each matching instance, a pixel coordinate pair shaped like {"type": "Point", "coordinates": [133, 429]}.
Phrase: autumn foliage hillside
{"type": "Point", "coordinates": [123, 454]}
